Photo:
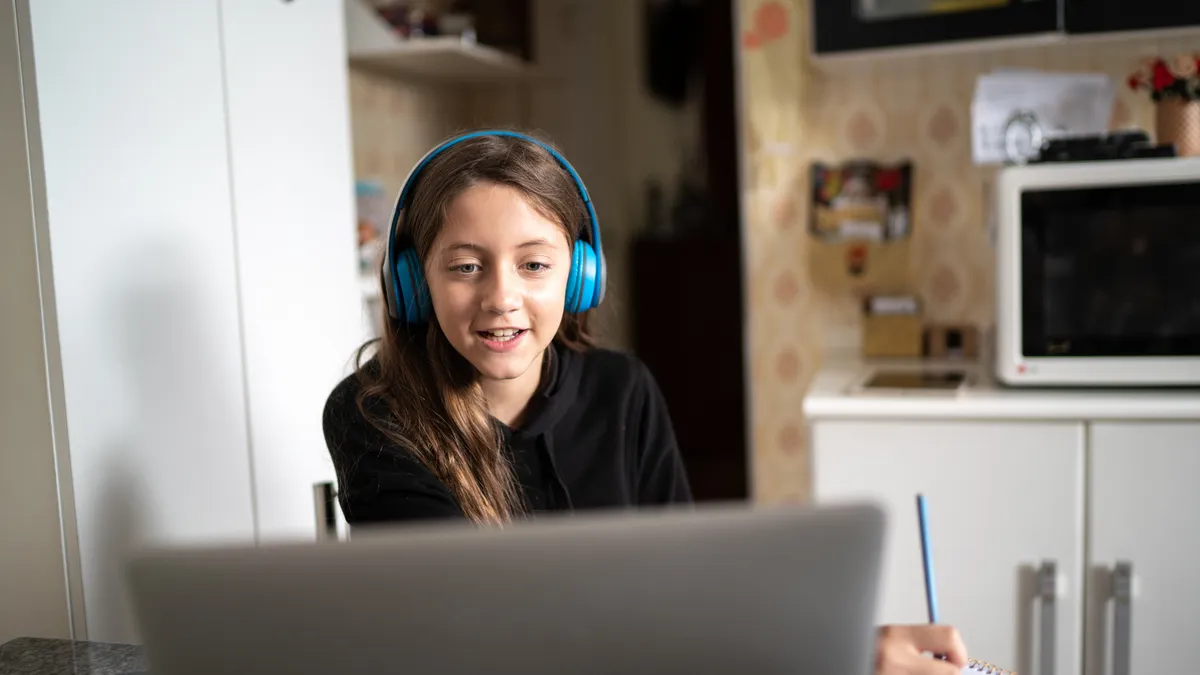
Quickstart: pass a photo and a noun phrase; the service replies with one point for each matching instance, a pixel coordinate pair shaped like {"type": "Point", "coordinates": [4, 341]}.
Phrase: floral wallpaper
{"type": "Point", "coordinates": [395, 121]}
{"type": "Point", "coordinates": [801, 300]}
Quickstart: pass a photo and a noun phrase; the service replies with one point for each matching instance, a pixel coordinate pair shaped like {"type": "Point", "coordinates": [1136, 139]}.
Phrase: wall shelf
{"type": "Point", "coordinates": [372, 44]}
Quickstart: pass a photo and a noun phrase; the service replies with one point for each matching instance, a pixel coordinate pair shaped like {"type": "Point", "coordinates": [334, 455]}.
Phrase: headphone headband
{"type": "Point", "coordinates": [587, 285]}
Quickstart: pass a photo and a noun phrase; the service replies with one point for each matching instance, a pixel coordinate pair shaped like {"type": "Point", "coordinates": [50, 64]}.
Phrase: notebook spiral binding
{"type": "Point", "coordinates": [984, 667]}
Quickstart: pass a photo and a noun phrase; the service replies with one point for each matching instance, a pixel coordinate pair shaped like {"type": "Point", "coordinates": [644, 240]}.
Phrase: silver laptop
{"type": "Point", "coordinates": [725, 589]}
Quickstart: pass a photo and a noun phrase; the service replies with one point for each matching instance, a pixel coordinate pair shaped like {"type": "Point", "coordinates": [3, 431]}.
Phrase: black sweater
{"type": "Point", "coordinates": [596, 435]}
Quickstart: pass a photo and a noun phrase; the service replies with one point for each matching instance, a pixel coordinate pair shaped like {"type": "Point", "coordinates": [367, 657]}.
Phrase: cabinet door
{"type": "Point", "coordinates": [1002, 498]}
{"type": "Point", "coordinates": [1108, 16]}
{"type": "Point", "coordinates": [289, 145]}
{"type": "Point", "coordinates": [145, 283]}
{"type": "Point", "coordinates": [1143, 510]}
{"type": "Point", "coordinates": [850, 25]}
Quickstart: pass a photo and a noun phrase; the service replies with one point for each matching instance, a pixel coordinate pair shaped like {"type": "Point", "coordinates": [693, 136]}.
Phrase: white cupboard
{"type": "Point", "coordinates": [292, 178]}
{"type": "Point", "coordinates": [1063, 523]}
{"type": "Point", "coordinates": [195, 291]}
{"type": "Point", "coordinates": [1001, 498]}
{"type": "Point", "coordinates": [1143, 537]}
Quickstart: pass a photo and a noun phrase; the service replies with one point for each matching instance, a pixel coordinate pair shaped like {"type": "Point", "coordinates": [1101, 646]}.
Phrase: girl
{"type": "Point", "coordinates": [485, 398]}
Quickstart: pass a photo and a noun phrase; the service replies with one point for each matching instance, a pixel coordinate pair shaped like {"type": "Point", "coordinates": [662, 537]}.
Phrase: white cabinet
{"type": "Point", "coordinates": [1111, 503]}
{"type": "Point", "coordinates": [196, 290]}
{"type": "Point", "coordinates": [139, 217]}
{"type": "Point", "coordinates": [1145, 513]}
{"type": "Point", "coordinates": [290, 168]}
{"type": "Point", "coordinates": [1002, 498]}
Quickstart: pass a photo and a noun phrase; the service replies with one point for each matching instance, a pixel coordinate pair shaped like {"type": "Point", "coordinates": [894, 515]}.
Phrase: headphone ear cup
{"type": "Point", "coordinates": [581, 287]}
{"type": "Point", "coordinates": [386, 270]}
{"type": "Point", "coordinates": [424, 304]}
{"type": "Point", "coordinates": [573, 278]}
{"type": "Point", "coordinates": [601, 279]}
{"type": "Point", "coordinates": [411, 281]}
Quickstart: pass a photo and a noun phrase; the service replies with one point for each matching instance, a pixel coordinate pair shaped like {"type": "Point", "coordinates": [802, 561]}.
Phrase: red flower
{"type": "Point", "coordinates": [1134, 81]}
{"type": "Point", "coordinates": [1162, 76]}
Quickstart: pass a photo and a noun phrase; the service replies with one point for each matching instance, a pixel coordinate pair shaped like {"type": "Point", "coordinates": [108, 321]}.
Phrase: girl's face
{"type": "Point", "coordinates": [497, 275]}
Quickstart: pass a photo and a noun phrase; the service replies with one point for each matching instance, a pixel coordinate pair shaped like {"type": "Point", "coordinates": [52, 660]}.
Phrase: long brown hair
{"type": "Point", "coordinates": [435, 407]}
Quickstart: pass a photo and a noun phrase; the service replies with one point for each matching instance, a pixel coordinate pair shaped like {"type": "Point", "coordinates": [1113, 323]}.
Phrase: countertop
{"type": "Point", "coordinates": [834, 394]}
{"type": "Point", "coordinates": [38, 656]}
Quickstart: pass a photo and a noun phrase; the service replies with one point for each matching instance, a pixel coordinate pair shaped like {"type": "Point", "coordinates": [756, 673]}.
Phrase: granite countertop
{"type": "Point", "coordinates": [38, 656]}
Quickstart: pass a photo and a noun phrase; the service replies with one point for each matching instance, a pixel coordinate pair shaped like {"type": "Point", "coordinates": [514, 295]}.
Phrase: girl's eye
{"type": "Point", "coordinates": [536, 266]}
{"type": "Point", "coordinates": [465, 268]}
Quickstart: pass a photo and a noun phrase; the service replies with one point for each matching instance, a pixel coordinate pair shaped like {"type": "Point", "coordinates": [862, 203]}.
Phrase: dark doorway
{"type": "Point", "coordinates": [687, 270]}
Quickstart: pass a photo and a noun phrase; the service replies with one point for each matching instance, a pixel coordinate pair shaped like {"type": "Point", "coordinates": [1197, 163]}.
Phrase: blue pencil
{"type": "Point", "coordinates": [927, 560]}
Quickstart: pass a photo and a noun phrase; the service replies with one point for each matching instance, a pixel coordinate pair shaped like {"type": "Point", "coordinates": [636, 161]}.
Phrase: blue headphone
{"type": "Point", "coordinates": [404, 279]}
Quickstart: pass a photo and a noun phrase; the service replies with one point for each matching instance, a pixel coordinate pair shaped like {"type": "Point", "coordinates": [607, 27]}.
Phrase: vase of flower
{"type": "Point", "coordinates": [1178, 122]}
{"type": "Point", "coordinates": [1174, 86]}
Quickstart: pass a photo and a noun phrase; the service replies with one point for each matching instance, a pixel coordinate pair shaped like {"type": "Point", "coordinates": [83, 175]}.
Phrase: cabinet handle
{"type": "Point", "coordinates": [1122, 595]}
{"type": "Point", "coordinates": [1047, 592]}
{"type": "Point", "coordinates": [324, 498]}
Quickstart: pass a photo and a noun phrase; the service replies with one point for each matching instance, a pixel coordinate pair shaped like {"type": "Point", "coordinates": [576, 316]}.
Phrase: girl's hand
{"type": "Point", "coordinates": [903, 650]}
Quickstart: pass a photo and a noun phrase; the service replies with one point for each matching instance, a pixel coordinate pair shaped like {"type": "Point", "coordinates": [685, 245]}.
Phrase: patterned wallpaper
{"type": "Point", "coordinates": [394, 121]}
{"type": "Point", "coordinates": [801, 300]}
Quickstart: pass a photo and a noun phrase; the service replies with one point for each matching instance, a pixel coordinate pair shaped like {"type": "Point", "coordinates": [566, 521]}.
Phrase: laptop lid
{"type": "Point", "coordinates": [727, 589]}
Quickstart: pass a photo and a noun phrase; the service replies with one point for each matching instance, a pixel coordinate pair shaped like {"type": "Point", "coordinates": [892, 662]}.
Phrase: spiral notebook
{"type": "Point", "coordinates": [975, 667]}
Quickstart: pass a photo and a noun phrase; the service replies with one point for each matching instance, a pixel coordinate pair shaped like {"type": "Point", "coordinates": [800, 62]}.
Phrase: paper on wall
{"type": "Point", "coordinates": [1063, 104]}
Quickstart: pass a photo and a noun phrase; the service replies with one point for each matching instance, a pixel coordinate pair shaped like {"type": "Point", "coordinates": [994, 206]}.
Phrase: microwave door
{"type": "Point", "coordinates": [1111, 272]}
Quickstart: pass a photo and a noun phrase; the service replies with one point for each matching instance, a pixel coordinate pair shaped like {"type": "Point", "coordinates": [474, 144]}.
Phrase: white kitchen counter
{"type": "Point", "coordinates": [833, 394]}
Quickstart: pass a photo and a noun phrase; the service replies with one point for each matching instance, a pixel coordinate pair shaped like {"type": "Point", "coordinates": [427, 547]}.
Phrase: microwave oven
{"type": "Point", "coordinates": [1098, 273]}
